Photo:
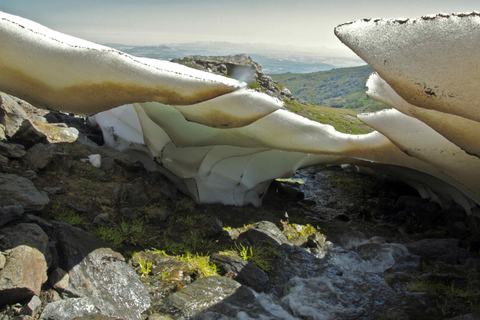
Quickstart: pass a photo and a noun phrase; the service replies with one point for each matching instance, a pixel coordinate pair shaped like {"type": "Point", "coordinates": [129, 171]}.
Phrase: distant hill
{"type": "Point", "coordinates": [337, 88]}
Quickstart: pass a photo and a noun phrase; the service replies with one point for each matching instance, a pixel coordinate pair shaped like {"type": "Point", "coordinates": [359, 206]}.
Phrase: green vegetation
{"type": "Point", "coordinates": [200, 265]}
{"type": "Point", "coordinates": [293, 230]}
{"type": "Point", "coordinates": [132, 232]}
{"type": "Point", "coordinates": [337, 88]}
{"type": "Point", "coordinates": [342, 120]}
{"type": "Point", "coordinates": [65, 215]}
{"type": "Point", "coordinates": [263, 256]}
{"type": "Point", "coordinates": [145, 267]}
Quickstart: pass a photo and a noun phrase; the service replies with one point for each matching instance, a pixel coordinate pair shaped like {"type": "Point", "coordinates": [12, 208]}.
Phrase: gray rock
{"type": "Point", "coordinates": [4, 166]}
{"type": "Point", "coordinates": [10, 213]}
{"type": "Point", "coordinates": [29, 174]}
{"type": "Point", "coordinates": [23, 275]}
{"type": "Point", "coordinates": [470, 316]}
{"type": "Point", "coordinates": [242, 271]}
{"type": "Point", "coordinates": [27, 234]}
{"type": "Point", "coordinates": [32, 307]}
{"type": "Point", "coordinates": [2, 261]}
{"type": "Point", "coordinates": [263, 231]}
{"type": "Point", "coordinates": [11, 115]}
{"type": "Point", "coordinates": [53, 190]}
{"type": "Point", "coordinates": [101, 219]}
{"type": "Point", "coordinates": [136, 195]}
{"type": "Point", "coordinates": [99, 274]}
{"type": "Point", "coordinates": [59, 279]}
{"type": "Point", "coordinates": [63, 161]}
{"type": "Point", "coordinates": [444, 250]}
{"type": "Point", "coordinates": [202, 294]}
{"type": "Point", "coordinates": [40, 155]}
{"type": "Point", "coordinates": [27, 135]}
{"type": "Point", "coordinates": [69, 309]}
{"type": "Point", "coordinates": [12, 150]}
{"type": "Point", "coordinates": [212, 227]}
{"type": "Point", "coordinates": [15, 190]}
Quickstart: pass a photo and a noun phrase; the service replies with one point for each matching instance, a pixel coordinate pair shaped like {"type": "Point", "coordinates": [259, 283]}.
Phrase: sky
{"type": "Point", "coordinates": [295, 23]}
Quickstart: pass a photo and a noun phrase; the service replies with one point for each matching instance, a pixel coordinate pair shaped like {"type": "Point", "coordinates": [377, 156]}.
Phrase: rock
{"type": "Point", "coordinates": [4, 167]}
{"type": "Point", "coordinates": [444, 250]}
{"type": "Point", "coordinates": [16, 190]}
{"type": "Point", "coordinates": [53, 190]}
{"type": "Point", "coordinates": [202, 294]}
{"type": "Point", "coordinates": [27, 135]}
{"type": "Point", "coordinates": [40, 155]}
{"type": "Point", "coordinates": [12, 150]}
{"type": "Point", "coordinates": [405, 202]}
{"type": "Point", "coordinates": [69, 309]}
{"type": "Point", "coordinates": [101, 219]}
{"type": "Point", "coordinates": [11, 116]}
{"type": "Point", "coordinates": [98, 273]}
{"type": "Point", "coordinates": [262, 231]}
{"type": "Point", "coordinates": [24, 273]}
{"type": "Point", "coordinates": [242, 271]}
{"type": "Point", "coordinates": [157, 215]}
{"type": "Point", "coordinates": [59, 279]}
{"type": "Point", "coordinates": [27, 234]}
{"type": "Point", "coordinates": [131, 213]}
{"type": "Point", "coordinates": [2, 261]}
{"type": "Point", "coordinates": [29, 174]}
{"type": "Point", "coordinates": [32, 307]}
{"type": "Point", "coordinates": [470, 316]}
{"type": "Point", "coordinates": [10, 213]}
{"type": "Point", "coordinates": [212, 227]}
{"type": "Point", "coordinates": [62, 160]}
{"type": "Point", "coordinates": [136, 195]}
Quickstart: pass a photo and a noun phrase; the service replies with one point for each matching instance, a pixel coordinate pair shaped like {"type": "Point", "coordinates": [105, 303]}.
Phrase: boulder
{"type": "Point", "coordinates": [12, 150]}
{"type": "Point", "coordinates": [11, 116]}
{"type": "Point", "coordinates": [98, 274]}
{"type": "Point", "coordinates": [10, 213]}
{"type": "Point", "coordinates": [242, 271]}
{"type": "Point", "coordinates": [27, 135]}
{"type": "Point", "coordinates": [203, 294]}
{"type": "Point", "coordinates": [263, 231]}
{"type": "Point", "coordinates": [28, 234]}
{"type": "Point", "coordinates": [69, 309]}
{"type": "Point", "coordinates": [32, 307]}
{"type": "Point", "coordinates": [40, 155]}
{"type": "Point", "coordinates": [24, 273]}
{"type": "Point", "coordinates": [16, 190]}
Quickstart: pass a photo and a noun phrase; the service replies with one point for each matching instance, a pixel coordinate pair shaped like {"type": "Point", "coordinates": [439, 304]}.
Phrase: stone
{"type": "Point", "coordinates": [10, 213]}
{"type": "Point", "coordinates": [136, 195]}
{"type": "Point", "coordinates": [53, 190]}
{"type": "Point", "coordinates": [32, 307]}
{"type": "Point", "coordinates": [16, 190]}
{"type": "Point", "coordinates": [202, 294]}
{"type": "Point", "coordinates": [12, 150]}
{"type": "Point", "coordinates": [40, 155]}
{"type": "Point", "coordinates": [99, 274]}
{"type": "Point", "coordinates": [24, 273]}
{"type": "Point", "coordinates": [242, 271]}
{"type": "Point", "coordinates": [101, 219]}
{"type": "Point", "coordinates": [59, 279]}
{"type": "Point", "coordinates": [27, 135]}
{"type": "Point", "coordinates": [29, 174]}
{"type": "Point", "coordinates": [212, 227]}
{"type": "Point", "coordinates": [11, 115]}
{"type": "Point", "coordinates": [444, 250]}
{"type": "Point", "coordinates": [131, 213]}
{"type": "Point", "coordinates": [63, 161]}
{"type": "Point", "coordinates": [69, 309]}
{"type": "Point", "coordinates": [28, 234]}
{"type": "Point", "coordinates": [263, 231]}
{"type": "Point", "coordinates": [3, 260]}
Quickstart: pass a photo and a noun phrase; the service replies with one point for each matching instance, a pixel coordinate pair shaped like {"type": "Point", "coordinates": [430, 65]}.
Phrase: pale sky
{"type": "Point", "coordinates": [305, 23]}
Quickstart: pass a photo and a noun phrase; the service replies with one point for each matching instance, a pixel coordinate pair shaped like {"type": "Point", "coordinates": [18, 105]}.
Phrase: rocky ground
{"type": "Point", "coordinates": [88, 239]}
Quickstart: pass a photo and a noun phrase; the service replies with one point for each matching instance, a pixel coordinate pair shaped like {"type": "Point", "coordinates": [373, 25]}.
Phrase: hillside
{"type": "Point", "coordinates": [337, 88]}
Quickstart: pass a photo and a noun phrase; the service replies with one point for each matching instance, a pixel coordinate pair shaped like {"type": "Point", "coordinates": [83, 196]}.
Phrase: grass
{"type": "Point", "coordinates": [342, 120]}
{"type": "Point", "coordinates": [65, 215]}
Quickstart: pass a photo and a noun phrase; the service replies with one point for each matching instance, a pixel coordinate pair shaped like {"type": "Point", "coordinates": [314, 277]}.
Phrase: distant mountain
{"type": "Point", "coordinates": [274, 59]}
{"type": "Point", "coordinates": [337, 88]}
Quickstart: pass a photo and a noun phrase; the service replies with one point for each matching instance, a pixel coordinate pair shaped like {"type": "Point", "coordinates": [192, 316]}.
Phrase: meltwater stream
{"type": "Point", "coordinates": [346, 282]}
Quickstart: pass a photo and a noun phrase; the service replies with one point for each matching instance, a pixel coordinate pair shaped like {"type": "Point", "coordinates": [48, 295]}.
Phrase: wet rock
{"type": "Point", "coordinates": [16, 190]}
{"type": "Point", "coordinates": [24, 273]}
{"type": "Point", "coordinates": [262, 231]}
{"type": "Point", "coordinates": [242, 271]}
{"type": "Point", "coordinates": [98, 273]}
{"type": "Point", "coordinates": [59, 279]}
{"type": "Point", "coordinates": [12, 150]}
{"type": "Point", "coordinates": [39, 156]}
{"type": "Point", "coordinates": [10, 213]}
{"type": "Point", "coordinates": [27, 135]}
{"type": "Point", "coordinates": [69, 309]}
{"type": "Point", "coordinates": [202, 294]}
{"type": "Point", "coordinates": [32, 307]}
{"type": "Point", "coordinates": [28, 234]}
